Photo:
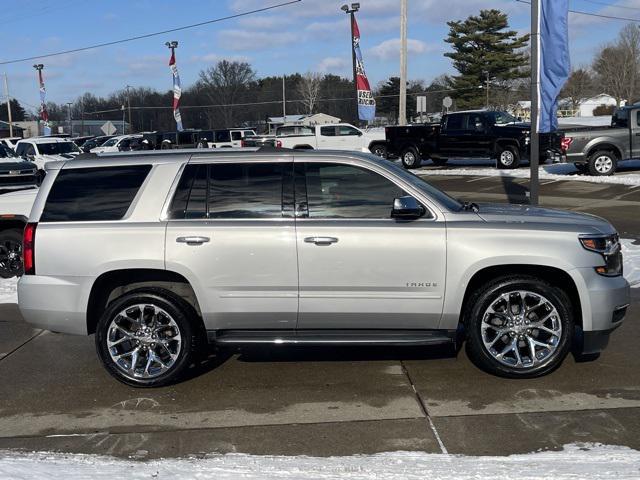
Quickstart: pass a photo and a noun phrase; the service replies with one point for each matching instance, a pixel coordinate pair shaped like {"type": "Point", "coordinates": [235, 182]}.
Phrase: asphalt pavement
{"type": "Point", "coordinates": [55, 396]}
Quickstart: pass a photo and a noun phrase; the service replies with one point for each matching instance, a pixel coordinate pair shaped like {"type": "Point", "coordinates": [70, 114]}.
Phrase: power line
{"type": "Point", "coordinates": [580, 12]}
{"type": "Point", "coordinates": [154, 34]}
{"type": "Point", "coordinates": [613, 5]}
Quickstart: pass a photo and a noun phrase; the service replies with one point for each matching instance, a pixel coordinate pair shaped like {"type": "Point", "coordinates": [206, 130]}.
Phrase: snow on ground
{"type": "Point", "coordinates": [631, 255]}
{"type": "Point", "coordinates": [558, 171]}
{"type": "Point", "coordinates": [573, 462]}
{"type": "Point", "coordinates": [8, 290]}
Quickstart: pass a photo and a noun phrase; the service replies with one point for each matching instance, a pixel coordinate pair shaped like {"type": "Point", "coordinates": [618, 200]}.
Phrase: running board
{"type": "Point", "coordinates": [332, 337]}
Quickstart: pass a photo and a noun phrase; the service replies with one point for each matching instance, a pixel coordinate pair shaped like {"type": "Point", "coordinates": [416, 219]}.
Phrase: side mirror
{"type": "Point", "coordinates": [407, 208]}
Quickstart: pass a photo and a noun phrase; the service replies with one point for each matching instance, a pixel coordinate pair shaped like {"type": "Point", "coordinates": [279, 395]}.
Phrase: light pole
{"type": "Point", "coordinates": [44, 116]}
{"type": "Point", "coordinates": [351, 11]}
{"type": "Point", "coordinates": [534, 154]}
{"type": "Point", "coordinates": [402, 117]}
{"type": "Point", "coordinates": [70, 119]}
{"type": "Point", "coordinates": [6, 92]}
{"type": "Point", "coordinates": [129, 107]}
{"type": "Point", "coordinates": [122, 108]}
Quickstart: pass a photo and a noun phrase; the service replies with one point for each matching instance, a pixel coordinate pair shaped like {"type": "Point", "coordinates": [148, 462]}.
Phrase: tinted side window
{"type": "Point", "coordinates": [223, 136]}
{"type": "Point", "coordinates": [90, 194]}
{"type": "Point", "coordinates": [328, 131]}
{"type": "Point", "coordinates": [236, 135]}
{"type": "Point", "coordinates": [20, 149]}
{"type": "Point", "coordinates": [243, 190]}
{"type": "Point", "coordinates": [345, 191]}
{"type": "Point", "coordinates": [344, 130]}
{"type": "Point", "coordinates": [454, 122]}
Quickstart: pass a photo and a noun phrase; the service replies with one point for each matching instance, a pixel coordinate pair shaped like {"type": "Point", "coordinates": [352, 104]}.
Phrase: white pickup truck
{"type": "Point", "coordinates": [335, 136]}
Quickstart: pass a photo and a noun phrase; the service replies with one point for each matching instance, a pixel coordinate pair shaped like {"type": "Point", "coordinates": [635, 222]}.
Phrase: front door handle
{"type": "Point", "coordinates": [321, 240]}
{"type": "Point", "coordinates": [193, 240]}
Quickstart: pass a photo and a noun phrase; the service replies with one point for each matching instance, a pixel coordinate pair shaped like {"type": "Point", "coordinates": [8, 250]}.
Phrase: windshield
{"type": "Point", "coordinates": [438, 195]}
{"type": "Point", "coordinates": [110, 143]}
{"type": "Point", "coordinates": [56, 148]}
{"type": "Point", "coordinates": [6, 152]}
{"type": "Point", "coordinates": [503, 118]}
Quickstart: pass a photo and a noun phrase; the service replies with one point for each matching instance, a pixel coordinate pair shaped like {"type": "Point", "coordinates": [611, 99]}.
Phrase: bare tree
{"type": "Point", "coordinates": [579, 86]}
{"type": "Point", "coordinates": [617, 65]}
{"type": "Point", "coordinates": [225, 84]}
{"type": "Point", "coordinates": [309, 90]}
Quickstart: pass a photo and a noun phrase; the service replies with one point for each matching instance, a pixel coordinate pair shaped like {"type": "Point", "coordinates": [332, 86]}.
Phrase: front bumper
{"type": "Point", "coordinates": [604, 301]}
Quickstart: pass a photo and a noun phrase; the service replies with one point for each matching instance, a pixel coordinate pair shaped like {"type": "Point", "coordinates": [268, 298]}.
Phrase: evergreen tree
{"type": "Point", "coordinates": [485, 47]}
{"type": "Point", "coordinates": [388, 98]}
{"type": "Point", "coordinates": [17, 112]}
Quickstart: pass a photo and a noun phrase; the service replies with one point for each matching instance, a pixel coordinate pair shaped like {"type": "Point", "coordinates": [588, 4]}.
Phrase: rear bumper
{"type": "Point", "coordinates": [53, 303]}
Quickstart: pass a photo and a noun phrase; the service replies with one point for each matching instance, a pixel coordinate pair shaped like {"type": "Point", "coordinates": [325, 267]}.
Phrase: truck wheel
{"type": "Point", "coordinates": [440, 162]}
{"type": "Point", "coordinates": [519, 327]}
{"type": "Point", "coordinates": [11, 253]}
{"type": "Point", "coordinates": [602, 163]}
{"type": "Point", "coordinates": [379, 150]}
{"type": "Point", "coordinates": [147, 338]}
{"type": "Point", "coordinates": [410, 158]}
{"type": "Point", "coordinates": [508, 157]}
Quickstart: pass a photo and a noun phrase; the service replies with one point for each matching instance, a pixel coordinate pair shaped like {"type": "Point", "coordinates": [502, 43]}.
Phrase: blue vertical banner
{"type": "Point", "coordinates": [555, 64]}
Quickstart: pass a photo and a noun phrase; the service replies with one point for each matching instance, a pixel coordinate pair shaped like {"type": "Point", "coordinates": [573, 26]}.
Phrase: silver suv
{"type": "Point", "coordinates": [160, 254]}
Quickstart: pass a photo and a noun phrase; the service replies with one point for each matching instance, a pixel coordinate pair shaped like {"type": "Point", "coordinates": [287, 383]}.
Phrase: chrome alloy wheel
{"type": "Point", "coordinates": [409, 158]}
{"type": "Point", "coordinates": [10, 258]}
{"type": "Point", "coordinates": [521, 329]}
{"type": "Point", "coordinates": [144, 341]}
{"type": "Point", "coordinates": [507, 158]}
{"type": "Point", "coordinates": [603, 164]}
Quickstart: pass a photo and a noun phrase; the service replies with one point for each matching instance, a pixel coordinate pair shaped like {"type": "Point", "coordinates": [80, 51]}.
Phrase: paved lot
{"type": "Point", "coordinates": [54, 395]}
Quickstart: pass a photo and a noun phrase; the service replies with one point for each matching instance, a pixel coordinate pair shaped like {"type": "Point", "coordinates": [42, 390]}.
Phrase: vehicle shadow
{"type": "Point", "coordinates": [516, 193]}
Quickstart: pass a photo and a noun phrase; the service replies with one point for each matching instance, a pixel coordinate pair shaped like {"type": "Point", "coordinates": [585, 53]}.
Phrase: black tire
{"type": "Point", "coordinates": [581, 167]}
{"type": "Point", "coordinates": [11, 253]}
{"type": "Point", "coordinates": [184, 318]}
{"type": "Point", "coordinates": [507, 157]}
{"type": "Point", "coordinates": [490, 293]}
{"type": "Point", "coordinates": [379, 150]}
{"type": "Point", "coordinates": [602, 163]}
{"type": "Point", "coordinates": [440, 162]}
{"type": "Point", "coordinates": [410, 158]}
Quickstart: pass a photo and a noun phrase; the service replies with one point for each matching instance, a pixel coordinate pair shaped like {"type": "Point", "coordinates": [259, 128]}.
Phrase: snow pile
{"type": "Point", "coordinates": [8, 290]}
{"type": "Point", "coordinates": [574, 461]}
{"type": "Point", "coordinates": [631, 255]}
{"type": "Point", "coordinates": [560, 171]}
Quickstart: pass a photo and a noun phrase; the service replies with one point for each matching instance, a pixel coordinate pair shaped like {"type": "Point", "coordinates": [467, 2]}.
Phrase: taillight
{"type": "Point", "coordinates": [565, 143]}
{"type": "Point", "coordinates": [278, 144]}
{"type": "Point", "coordinates": [28, 249]}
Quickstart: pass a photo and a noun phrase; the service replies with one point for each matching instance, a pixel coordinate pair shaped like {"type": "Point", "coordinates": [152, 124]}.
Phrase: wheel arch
{"type": "Point", "coordinates": [115, 283]}
{"type": "Point", "coordinates": [606, 146]}
{"type": "Point", "coordinates": [303, 147]}
{"type": "Point", "coordinates": [555, 276]}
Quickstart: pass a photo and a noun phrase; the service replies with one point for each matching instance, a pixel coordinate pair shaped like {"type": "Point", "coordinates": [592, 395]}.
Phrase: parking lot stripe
{"type": "Point", "coordinates": [11, 352]}
{"type": "Point", "coordinates": [477, 179]}
{"type": "Point", "coordinates": [432, 426]}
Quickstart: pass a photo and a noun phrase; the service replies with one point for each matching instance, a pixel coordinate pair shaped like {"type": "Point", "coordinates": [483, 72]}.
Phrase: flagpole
{"type": "Point", "coordinates": [534, 156]}
{"type": "Point", "coordinates": [351, 11]}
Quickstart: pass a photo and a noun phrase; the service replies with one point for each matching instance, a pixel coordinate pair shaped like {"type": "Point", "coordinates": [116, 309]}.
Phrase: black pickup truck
{"type": "Point", "coordinates": [471, 134]}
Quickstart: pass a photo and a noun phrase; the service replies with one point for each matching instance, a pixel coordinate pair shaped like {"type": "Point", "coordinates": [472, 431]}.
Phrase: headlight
{"type": "Point", "coordinates": [609, 247]}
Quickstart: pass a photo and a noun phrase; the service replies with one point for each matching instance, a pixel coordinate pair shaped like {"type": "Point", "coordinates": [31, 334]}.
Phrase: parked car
{"type": "Point", "coordinates": [10, 142]}
{"type": "Point", "coordinates": [80, 141]}
{"type": "Point", "coordinates": [15, 172]}
{"type": "Point", "coordinates": [236, 248]}
{"type": "Point", "coordinates": [224, 138]}
{"type": "Point", "coordinates": [470, 134]}
{"type": "Point", "coordinates": [121, 143]}
{"type": "Point", "coordinates": [14, 213]}
{"type": "Point", "coordinates": [95, 142]}
{"type": "Point", "coordinates": [335, 136]}
{"type": "Point", "coordinates": [41, 150]}
{"type": "Point", "coordinates": [598, 150]}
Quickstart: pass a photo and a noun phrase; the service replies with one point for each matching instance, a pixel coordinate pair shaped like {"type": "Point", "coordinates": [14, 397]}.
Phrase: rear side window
{"type": "Point", "coordinates": [231, 191]}
{"type": "Point", "coordinates": [93, 194]}
{"type": "Point", "coordinates": [454, 122]}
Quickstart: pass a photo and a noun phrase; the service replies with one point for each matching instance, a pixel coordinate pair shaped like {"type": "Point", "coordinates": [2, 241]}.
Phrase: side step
{"type": "Point", "coordinates": [332, 337]}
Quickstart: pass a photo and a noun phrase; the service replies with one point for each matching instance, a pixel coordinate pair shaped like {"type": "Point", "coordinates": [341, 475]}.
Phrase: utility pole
{"type": "Point", "coordinates": [6, 93]}
{"type": "Point", "coordinates": [70, 119]}
{"type": "Point", "coordinates": [402, 116]}
{"type": "Point", "coordinates": [487, 105]}
{"type": "Point", "coordinates": [534, 154]}
{"type": "Point", "coordinates": [284, 100]}
{"type": "Point", "coordinates": [129, 107]}
{"type": "Point", "coordinates": [351, 12]}
{"type": "Point", "coordinates": [122, 108]}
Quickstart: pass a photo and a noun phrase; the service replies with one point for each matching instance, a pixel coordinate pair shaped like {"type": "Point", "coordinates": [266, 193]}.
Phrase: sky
{"type": "Point", "coordinates": [311, 35]}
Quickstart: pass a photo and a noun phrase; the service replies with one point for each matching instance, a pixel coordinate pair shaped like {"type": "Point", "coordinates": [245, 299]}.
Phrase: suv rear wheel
{"type": "Point", "coordinates": [410, 158]}
{"type": "Point", "coordinates": [519, 327]}
{"type": "Point", "coordinates": [147, 338]}
{"type": "Point", "coordinates": [602, 163]}
{"type": "Point", "coordinates": [11, 253]}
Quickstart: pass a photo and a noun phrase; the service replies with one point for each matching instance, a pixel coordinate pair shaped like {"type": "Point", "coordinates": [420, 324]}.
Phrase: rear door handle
{"type": "Point", "coordinates": [321, 240]}
{"type": "Point", "coordinates": [193, 240]}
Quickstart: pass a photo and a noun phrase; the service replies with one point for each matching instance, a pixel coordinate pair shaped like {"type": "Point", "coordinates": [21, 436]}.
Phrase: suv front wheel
{"type": "Point", "coordinates": [519, 327]}
{"type": "Point", "coordinates": [147, 338]}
